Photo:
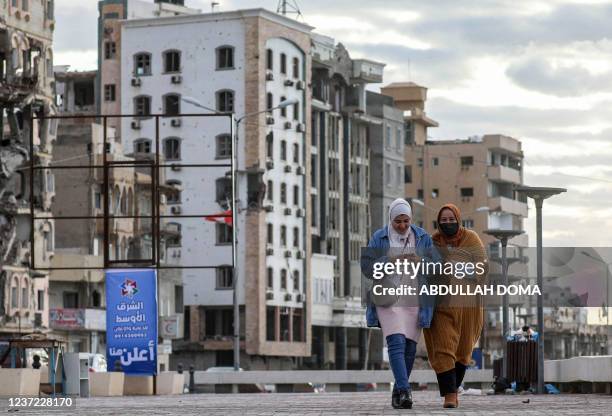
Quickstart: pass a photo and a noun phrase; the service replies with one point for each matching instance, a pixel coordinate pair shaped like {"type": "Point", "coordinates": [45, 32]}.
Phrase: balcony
{"type": "Point", "coordinates": [368, 71]}
{"type": "Point", "coordinates": [501, 173]}
{"type": "Point", "coordinates": [77, 319]}
{"type": "Point", "coordinates": [510, 206]}
{"type": "Point", "coordinates": [497, 141]}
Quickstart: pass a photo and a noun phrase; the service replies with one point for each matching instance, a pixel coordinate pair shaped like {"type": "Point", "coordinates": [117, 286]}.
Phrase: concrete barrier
{"type": "Point", "coordinates": [169, 382]}
{"type": "Point", "coordinates": [19, 382]}
{"type": "Point", "coordinates": [138, 385]}
{"type": "Point", "coordinates": [106, 384]}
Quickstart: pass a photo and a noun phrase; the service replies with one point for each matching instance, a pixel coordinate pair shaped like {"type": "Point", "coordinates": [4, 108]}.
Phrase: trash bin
{"type": "Point", "coordinates": [523, 363]}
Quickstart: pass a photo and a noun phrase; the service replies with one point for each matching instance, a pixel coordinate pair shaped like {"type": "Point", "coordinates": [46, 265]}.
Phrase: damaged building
{"type": "Point", "coordinates": [26, 94]}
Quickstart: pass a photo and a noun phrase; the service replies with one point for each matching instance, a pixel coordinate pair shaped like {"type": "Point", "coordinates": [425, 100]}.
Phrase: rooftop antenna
{"type": "Point", "coordinates": [213, 4]}
{"type": "Point", "coordinates": [286, 7]}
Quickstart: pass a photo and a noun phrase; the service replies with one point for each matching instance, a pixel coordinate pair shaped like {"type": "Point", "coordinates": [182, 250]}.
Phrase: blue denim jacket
{"type": "Point", "coordinates": [424, 248]}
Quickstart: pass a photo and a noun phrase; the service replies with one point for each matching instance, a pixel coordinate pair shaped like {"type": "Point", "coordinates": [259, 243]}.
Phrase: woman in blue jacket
{"type": "Point", "coordinates": [401, 325]}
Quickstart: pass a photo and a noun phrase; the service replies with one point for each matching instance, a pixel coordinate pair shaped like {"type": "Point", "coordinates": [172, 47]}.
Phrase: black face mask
{"type": "Point", "coordinates": [449, 228]}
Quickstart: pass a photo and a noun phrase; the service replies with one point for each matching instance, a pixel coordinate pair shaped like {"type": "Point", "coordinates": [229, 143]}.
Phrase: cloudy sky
{"type": "Point", "coordinates": [540, 71]}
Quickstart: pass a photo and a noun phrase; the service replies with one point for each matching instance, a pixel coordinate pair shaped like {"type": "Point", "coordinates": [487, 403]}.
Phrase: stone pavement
{"type": "Point", "coordinates": [371, 403]}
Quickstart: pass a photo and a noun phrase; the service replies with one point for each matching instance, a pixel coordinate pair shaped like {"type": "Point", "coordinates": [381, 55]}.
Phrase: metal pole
{"type": "Point", "coordinates": [540, 306]}
{"type": "Point", "coordinates": [505, 318]}
{"type": "Point", "coordinates": [234, 136]}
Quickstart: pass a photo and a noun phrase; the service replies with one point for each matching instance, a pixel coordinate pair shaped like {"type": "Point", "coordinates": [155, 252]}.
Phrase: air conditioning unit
{"type": "Point", "coordinates": [136, 124]}
{"type": "Point", "coordinates": [175, 122]}
{"type": "Point", "coordinates": [269, 208]}
{"type": "Point", "coordinates": [300, 85]}
{"type": "Point", "coordinates": [176, 210]}
{"type": "Point", "coordinates": [269, 76]}
{"type": "Point", "coordinates": [288, 253]}
{"type": "Point", "coordinates": [176, 79]}
{"type": "Point", "coordinates": [288, 297]}
{"type": "Point", "coordinates": [300, 254]}
{"type": "Point", "coordinates": [136, 82]}
{"type": "Point", "coordinates": [300, 128]}
{"type": "Point", "coordinates": [270, 164]}
{"type": "Point", "coordinates": [176, 168]}
{"type": "Point", "coordinates": [288, 83]}
{"type": "Point", "coordinates": [288, 168]}
{"type": "Point", "coordinates": [287, 211]}
{"type": "Point", "coordinates": [269, 251]}
{"type": "Point", "coordinates": [269, 120]}
{"type": "Point", "coordinates": [299, 212]}
{"type": "Point", "coordinates": [270, 295]}
{"type": "Point", "coordinates": [287, 125]}
{"type": "Point", "coordinates": [300, 170]}
{"type": "Point", "coordinates": [300, 297]}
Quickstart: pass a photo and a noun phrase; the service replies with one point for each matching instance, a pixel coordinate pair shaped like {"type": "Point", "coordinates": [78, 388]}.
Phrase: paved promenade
{"type": "Point", "coordinates": [371, 403]}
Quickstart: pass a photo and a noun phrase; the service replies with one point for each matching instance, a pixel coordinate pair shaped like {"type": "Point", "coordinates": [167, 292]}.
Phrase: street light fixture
{"type": "Point", "coordinates": [539, 194]}
{"type": "Point", "coordinates": [196, 103]}
{"type": "Point", "coordinates": [606, 300]}
{"type": "Point", "coordinates": [503, 236]}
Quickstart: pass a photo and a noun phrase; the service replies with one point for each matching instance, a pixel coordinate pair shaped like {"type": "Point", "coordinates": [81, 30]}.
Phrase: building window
{"type": "Point", "coordinates": [467, 161]}
{"type": "Point", "coordinates": [296, 111]}
{"type": "Point", "coordinates": [270, 191]}
{"type": "Point", "coordinates": [398, 139]}
{"type": "Point", "coordinates": [25, 301]}
{"type": "Point", "coordinates": [283, 193]}
{"type": "Point", "coordinates": [40, 300]}
{"type": "Point", "coordinates": [174, 197]}
{"type": "Point", "coordinates": [398, 176]}
{"type": "Point", "coordinates": [467, 223]}
{"type": "Point", "coordinates": [388, 174]}
{"type": "Point", "coordinates": [109, 92]}
{"type": "Point", "coordinates": [25, 5]}
{"type": "Point", "coordinates": [172, 105]}
{"type": "Point", "coordinates": [296, 283]}
{"type": "Point", "coordinates": [296, 153]}
{"type": "Point", "coordinates": [71, 300]}
{"type": "Point", "coordinates": [296, 237]}
{"type": "Point", "coordinates": [283, 152]}
{"type": "Point", "coordinates": [172, 148]}
{"type": "Point", "coordinates": [283, 110]}
{"type": "Point", "coordinates": [110, 50]}
{"type": "Point", "coordinates": [224, 146]}
{"type": "Point", "coordinates": [434, 161]}
{"type": "Point", "coordinates": [142, 146]}
{"type": "Point", "coordinates": [283, 236]}
{"type": "Point", "coordinates": [178, 299]}
{"type": "Point", "coordinates": [269, 101]}
{"type": "Point", "coordinates": [142, 64]}
{"type": "Point", "coordinates": [283, 63]}
{"type": "Point", "coordinates": [50, 14]}
{"type": "Point", "coordinates": [270, 234]}
{"type": "Point", "coordinates": [296, 195]}
{"type": "Point", "coordinates": [435, 225]}
{"type": "Point", "coordinates": [388, 137]}
{"type": "Point", "coordinates": [225, 101]}
{"type": "Point", "coordinates": [14, 297]}
{"type": "Point", "coordinates": [296, 68]}
{"type": "Point", "coordinates": [224, 234]}
{"type": "Point", "coordinates": [225, 57]}
{"type": "Point", "coordinates": [225, 277]}
{"type": "Point", "coordinates": [172, 61]}
{"type": "Point", "coordinates": [142, 105]}
{"type": "Point", "coordinates": [270, 323]}
{"type": "Point", "coordinates": [420, 194]}
{"type": "Point", "coordinates": [467, 192]}
{"type": "Point", "coordinates": [408, 174]}
{"type": "Point", "coordinates": [283, 279]}
{"type": "Point", "coordinates": [224, 191]}
{"type": "Point", "coordinates": [435, 192]}
{"type": "Point", "coordinates": [98, 200]}
{"type": "Point", "coordinates": [269, 59]}
{"type": "Point", "coordinates": [270, 280]}
{"type": "Point", "coordinates": [270, 145]}
{"type": "Point", "coordinates": [420, 162]}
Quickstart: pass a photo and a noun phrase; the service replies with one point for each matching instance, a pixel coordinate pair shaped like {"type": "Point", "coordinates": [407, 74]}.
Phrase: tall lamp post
{"type": "Point", "coordinates": [539, 194]}
{"type": "Point", "coordinates": [503, 236]}
{"type": "Point", "coordinates": [234, 170]}
{"type": "Point", "coordinates": [606, 304]}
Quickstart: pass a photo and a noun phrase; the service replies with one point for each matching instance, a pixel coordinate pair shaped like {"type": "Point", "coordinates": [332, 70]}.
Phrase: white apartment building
{"type": "Point", "coordinates": [243, 62]}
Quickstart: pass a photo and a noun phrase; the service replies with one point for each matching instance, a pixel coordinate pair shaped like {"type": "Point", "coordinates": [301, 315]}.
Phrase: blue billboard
{"type": "Point", "coordinates": [131, 321]}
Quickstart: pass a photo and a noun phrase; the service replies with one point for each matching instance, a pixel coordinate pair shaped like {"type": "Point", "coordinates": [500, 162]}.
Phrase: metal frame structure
{"type": "Point", "coordinates": [155, 216]}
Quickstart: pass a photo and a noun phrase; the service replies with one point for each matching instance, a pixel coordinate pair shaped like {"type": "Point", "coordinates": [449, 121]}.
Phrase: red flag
{"type": "Point", "coordinates": [222, 217]}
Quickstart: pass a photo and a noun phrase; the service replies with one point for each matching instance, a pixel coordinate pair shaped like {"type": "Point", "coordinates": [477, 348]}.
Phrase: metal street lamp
{"type": "Point", "coordinates": [606, 300]}
{"type": "Point", "coordinates": [503, 236]}
{"type": "Point", "coordinates": [539, 194]}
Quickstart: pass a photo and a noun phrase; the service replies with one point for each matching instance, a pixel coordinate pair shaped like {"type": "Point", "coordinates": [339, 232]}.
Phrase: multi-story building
{"type": "Point", "coordinates": [26, 90]}
{"type": "Point", "coordinates": [244, 62]}
{"type": "Point", "coordinates": [77, 296]}
{"type": "Point", "coordinates": [340, 202]}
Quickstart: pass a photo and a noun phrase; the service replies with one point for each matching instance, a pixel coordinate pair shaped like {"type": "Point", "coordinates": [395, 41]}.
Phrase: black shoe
{"type": "Point", "coordinates": [405, 398]}
{"type": "Point", "coordinates": [395, 399]}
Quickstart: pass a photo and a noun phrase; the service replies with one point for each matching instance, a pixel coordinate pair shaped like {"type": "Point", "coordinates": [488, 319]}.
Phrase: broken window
{"type": "Point", "coordinates": [172, 61]}
{"type": "Point", "coordinates": [225, 57]}
{"type": "Point", "coordinates": [142, 146]}
{"type": "Point", "coordinates": [225, 101]}
{"type": "Point", "coordinates": [110, 50]}
{"type": "Point", "coordinates": [172, 105]}
{"type": "Point", "coordinates": [142, 64]}
{"type": "Point", "coordinates": [109, 92]}
{"type": "Point", "coordinates": [269, 59]}
{"type": "Point", "coordinates": [296, 68]}
{"type": "Point", "coordinates": [283, 63]}
{"type": "Point", "coordinates": [224, 146]}
{"type": "Point", "coordinates": [142, 105]}
{"type": "Point", "coordinates": [172, 148]}
{"type": "Point", "coordinates": [84, 94]}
